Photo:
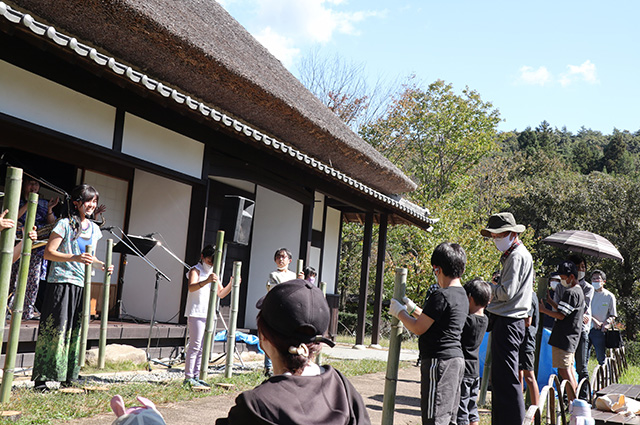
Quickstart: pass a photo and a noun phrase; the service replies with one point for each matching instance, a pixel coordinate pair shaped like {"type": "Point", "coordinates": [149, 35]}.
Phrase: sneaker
{"type": "Point", "coordinates": [203, 383]}
{"type": "Point", "coordinates": [41, 387]}
{"type": "Point", "coordinates": [191, 383]}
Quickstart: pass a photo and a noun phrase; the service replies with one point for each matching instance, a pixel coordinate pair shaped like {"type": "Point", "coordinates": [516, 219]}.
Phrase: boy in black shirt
{"type": "Point", "coordinates": [475, 327]}
{"type": "Point", "coordinates": [566, 330]}
{"type": "Point", "coordinates": [439, 324]}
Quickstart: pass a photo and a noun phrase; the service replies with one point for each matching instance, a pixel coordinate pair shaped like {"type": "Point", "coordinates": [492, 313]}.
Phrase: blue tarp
{"type": "Point", "coordinates": [545, 370]}
{"type": "Point", "coordinates": [240, 336]}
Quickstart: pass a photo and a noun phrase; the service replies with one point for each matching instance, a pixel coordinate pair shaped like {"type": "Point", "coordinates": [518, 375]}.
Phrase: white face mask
{"type": "Point", "coordinates": [597, 284]}
{"type": "Point", "coordinates": [503, 243]}
{"type": "Point", "coordinates": [581, 275]}
{"type": "Point", "coordinates": [553, 284]}
{"type": "Point", "coordinates": [435, 276]}
{"type": "Point", "coordinates": [207, 268]}
{"type": "Point", "coordinates": [565, 283]}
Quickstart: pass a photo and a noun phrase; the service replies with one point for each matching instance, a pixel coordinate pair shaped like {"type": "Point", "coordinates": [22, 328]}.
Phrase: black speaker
{"type": "Point", "coordinates": [237, 217]}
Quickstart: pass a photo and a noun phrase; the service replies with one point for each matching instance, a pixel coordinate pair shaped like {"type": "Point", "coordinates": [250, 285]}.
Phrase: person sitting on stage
{"type": "Point", "coordinates": [292, 320]}
{"type": "Point", "coordinates": [58, 345]}
{"type": "Point", "coordinates": [200, 278]}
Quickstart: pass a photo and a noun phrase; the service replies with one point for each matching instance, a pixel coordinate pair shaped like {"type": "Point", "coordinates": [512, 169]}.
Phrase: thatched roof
{"type": "Point", "coordinates": [195, 46]}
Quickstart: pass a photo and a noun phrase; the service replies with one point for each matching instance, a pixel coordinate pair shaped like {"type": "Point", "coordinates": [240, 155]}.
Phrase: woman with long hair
{"type": "Point", "coordinates": [58, 344]}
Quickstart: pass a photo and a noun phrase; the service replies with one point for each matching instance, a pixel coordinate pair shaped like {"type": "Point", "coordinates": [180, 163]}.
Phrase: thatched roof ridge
{"type": "Point", "coordinates": [196, 46]}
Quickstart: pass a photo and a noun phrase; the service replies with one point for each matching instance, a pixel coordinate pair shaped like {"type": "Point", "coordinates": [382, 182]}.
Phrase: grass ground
{"type": "Point", "coordinates": [53, 407]}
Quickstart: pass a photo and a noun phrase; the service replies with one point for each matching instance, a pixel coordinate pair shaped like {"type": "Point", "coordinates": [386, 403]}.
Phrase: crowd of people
{"type": "Point", "coordinates": [293, 319]}
{"type": "Point", "coordinates": [451, 324]}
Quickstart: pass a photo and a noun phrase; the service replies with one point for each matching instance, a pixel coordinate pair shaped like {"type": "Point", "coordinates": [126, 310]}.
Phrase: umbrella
{"type": "Point", "coordinates": [584, 242]}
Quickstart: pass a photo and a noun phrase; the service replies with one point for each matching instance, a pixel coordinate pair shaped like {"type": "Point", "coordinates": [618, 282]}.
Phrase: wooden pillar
{"type": "Point", "coordinates": [377, 301]}
{"type": "Point", "coordinates": [364, 278]}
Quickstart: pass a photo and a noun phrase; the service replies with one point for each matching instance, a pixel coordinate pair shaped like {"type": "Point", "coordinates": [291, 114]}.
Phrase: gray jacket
{"type": "Point", "coordinates": [512, 296]}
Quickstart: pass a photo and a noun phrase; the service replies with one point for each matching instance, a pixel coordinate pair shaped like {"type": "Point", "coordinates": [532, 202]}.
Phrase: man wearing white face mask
{"type": "Point", "coordinates": [509, 307]}
{"type": "Point", "coordinates": [581, 355]}
{"type": "Point", "coordinates": [604, 312]}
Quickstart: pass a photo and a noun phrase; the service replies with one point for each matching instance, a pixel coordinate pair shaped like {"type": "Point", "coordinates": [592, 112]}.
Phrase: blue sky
{"type": "Point", "coordinates": [572, 63]}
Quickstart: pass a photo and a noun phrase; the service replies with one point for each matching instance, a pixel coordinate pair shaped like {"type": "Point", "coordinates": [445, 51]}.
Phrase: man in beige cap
{"type": "Point", "coordinates": [508, 308]}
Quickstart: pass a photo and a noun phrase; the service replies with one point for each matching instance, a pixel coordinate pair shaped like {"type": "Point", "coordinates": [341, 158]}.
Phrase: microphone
{"type": "Point", "coordinates": [108, 228]}
{"type": "Point", "coordinates": [149, 234]}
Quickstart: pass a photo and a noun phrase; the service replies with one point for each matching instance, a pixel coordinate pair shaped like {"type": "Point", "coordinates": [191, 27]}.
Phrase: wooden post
{"type": "Point", "coordinates": [11, 202]}
{"type": "Point", "coordinates": [86, 310]}
{"type": "Point", "coordinates": [323, 288]}
{"type": "Point", "coordinates": [233, 319]}
{"type": "Point", "coordinates": [364, 280]}
{"type": "Point", "coordinates": [377, 300]}
{"type": "Point", "coordinates": [18, 301]}
{"type": "Point", "coordinates": [104, 314]}
{"type": "Point", "coordinates": [393, 359]}
{"type": "Point", "coordinates": [211, 309]}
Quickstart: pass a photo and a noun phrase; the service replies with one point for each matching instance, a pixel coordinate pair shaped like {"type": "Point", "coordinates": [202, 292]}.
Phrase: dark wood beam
{"type": "Point", "coordinates": [364, 278]}
{"type": "Point", "coordinates": [379, 289]}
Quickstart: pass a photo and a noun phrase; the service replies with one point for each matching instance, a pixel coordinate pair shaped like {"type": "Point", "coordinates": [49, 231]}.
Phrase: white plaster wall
{"type": "Point", "coordinates": [158, 205]}
{"type": "Point", "coordinates": [35, 99]}
{"type": "Point", "coordinates": [331, 246]}
{"type": "Point", "coordinates": [113, 194]}
{"type": "Point", "coordinates": [158, 145]}
{"type": "Point", "coordinates": [277, 222]}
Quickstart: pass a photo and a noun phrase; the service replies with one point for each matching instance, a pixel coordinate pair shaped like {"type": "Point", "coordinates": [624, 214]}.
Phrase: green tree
{"type": "Point", "coordinates": [616, 158]}
{"type": "Point", "coordinates": [435, 135]}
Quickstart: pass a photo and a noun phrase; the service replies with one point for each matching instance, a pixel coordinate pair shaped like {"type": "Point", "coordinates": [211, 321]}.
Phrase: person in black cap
{"type": "Point", "coordinates": [568, 326]}
{"type": "Point", "coordinates": [508, 308]}
{"type": "Point", "coordinates": [292, 320]}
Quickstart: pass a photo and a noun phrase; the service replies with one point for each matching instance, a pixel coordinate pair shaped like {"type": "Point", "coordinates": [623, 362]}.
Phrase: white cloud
{"type": "Point", "coordinates": [279, 46]}
{"type": "Point", "coordinates": [585, 72]}
{"type": "Point", "coordinates": [285, 25]}
{"type": "Point", "coordinates": [530, 76]}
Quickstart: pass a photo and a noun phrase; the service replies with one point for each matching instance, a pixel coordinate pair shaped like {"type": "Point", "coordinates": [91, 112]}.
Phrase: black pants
{"type": "Point", "coordinates": [507, 402]}
{"type": "Point", "coordinates": [582, 362]}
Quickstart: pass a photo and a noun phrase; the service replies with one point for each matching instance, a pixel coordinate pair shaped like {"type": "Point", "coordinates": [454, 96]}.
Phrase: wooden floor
{"type": "Point", "coordinates": [167, 340]}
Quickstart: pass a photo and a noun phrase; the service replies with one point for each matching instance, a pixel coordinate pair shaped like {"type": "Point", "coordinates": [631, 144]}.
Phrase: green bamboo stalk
{"type": "Point", "coordinates": [299, 268]}
{"type": "Point", "coordinates": [104, 315]}
{"type": "Point", "coordinates": [323, 288]}
{"type": "Point", "coordinates": [11, 202]}
{"type": "Point", "coordinates": [18, 302]}
{"type": "Point", "coordinates": [86, 310]}
{"type": "Point", "coordinates": [211, 309]}
{"type": "Point", "coordinates": [393, 359]}
{"type": "Point", "coordinates": [233, 320]}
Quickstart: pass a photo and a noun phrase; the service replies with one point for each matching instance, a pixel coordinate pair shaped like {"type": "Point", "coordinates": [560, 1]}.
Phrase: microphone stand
{"type": "Point", "coordinates": [159, 275]}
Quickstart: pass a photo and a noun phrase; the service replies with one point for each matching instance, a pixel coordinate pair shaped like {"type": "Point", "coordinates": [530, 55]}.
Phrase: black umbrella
{"type": "Point", "coordinates": [585, 243]}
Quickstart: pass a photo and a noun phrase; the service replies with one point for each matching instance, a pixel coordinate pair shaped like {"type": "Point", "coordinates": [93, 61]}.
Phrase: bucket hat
{"type": "Point", "coordinates": [502, 222]}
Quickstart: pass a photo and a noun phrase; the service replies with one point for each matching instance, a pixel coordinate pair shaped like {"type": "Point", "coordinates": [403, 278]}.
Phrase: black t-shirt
{"type": "Point", "coordinates": [448, 307]}
{"type": "Point", "coordinates": [529, 341]}
{"type": "Point", "coordinates": [474, 329]}
{"type": "Point", "coordinates": [566, 332]}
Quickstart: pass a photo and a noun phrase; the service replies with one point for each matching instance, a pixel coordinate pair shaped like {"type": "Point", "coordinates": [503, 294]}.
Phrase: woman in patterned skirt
{"type": "Point", "coordinates": [58, 344]}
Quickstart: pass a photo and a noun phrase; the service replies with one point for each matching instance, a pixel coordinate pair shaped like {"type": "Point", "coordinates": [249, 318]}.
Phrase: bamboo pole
{"type": "Point", "coordinates": [11, 202]}
{"type": "Point", "coordinates": [211, 309]}
{"type": "Point", "coordinates": [323, 288]}
{"type": "Point", "coordinates": [86, 310]}
{"type": "Point", "coordinates": [18, 302]}
{"type": "Point", "coordinates": [104, 314]}
{"type": "Point", "coordinates": [299, 268]}
{"type": "Point", "coordinates": [393, 359]}
{"type": "Point", "coordinates": [233, 320]}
